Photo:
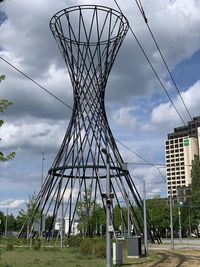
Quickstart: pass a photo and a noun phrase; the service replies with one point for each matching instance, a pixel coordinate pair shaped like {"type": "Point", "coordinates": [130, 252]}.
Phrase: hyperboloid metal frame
{"type": "Point", "coordinates": [89, 38]}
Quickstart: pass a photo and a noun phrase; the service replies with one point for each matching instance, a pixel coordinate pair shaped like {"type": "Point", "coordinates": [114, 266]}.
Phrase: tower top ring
{"type": "Point", "coordinates": [106, 25]}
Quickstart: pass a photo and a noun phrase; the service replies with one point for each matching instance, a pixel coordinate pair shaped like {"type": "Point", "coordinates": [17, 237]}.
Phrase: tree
{"type": "Point", "coordinates": [3, 106]}
{"type": "Point", "coordinates": [158, 212]}
{"type": "Point", "coordinates": [2, 223]}
{"type": "Point", "coordinates": [26, 218]}
{"type": "Point", "coordinates": [11, 223]}
{"type": "Point", "coordinates": [195, 173]}
{"type": "Point", "coordinates": [195, 202]}
{"type": "Point", "coordinates": [91, 215]}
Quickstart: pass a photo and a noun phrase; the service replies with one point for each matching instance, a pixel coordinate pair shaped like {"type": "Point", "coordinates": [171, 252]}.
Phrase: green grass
{"type": "Point", "coordinates": [51, 257]}
{"type": "Point", "coordinates": [56, 257]}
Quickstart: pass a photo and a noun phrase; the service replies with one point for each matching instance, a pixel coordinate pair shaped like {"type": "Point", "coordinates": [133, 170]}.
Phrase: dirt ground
{"type": "Point", "coordinates": [182, 258]}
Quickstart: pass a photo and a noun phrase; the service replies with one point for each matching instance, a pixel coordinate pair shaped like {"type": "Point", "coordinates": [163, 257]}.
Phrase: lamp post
{"type": "Point", "coordinates": [145, 220]}
{"type": "Point", "coordinates": [61, 224]}
{"type": "Point", "coordinates": [179, 219]}
{"type": "Point", "coordinates": [171, 221]}
{"type": "Point", "coordinates": [129, 223]}
{"type": "Point", "coordinates": [108, 204]}
{"type": "Point", "coordinates": [6, 223]}
{"type": "Point", "coordinates": [42, 175]}
{"type": "Point", "coordinates": [43, 158]}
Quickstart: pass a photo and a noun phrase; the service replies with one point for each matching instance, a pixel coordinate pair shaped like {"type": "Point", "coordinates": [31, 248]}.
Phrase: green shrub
{"type": "Point", "coordinates": [9, 245]}
{"type": "Point", "coordinates": [74, 241]}
{"type": "Point", "coordinates": [86, 247]}
{"type": "Point", "coordinates": [100, 249]}
{"type": "Point", "coordinates": [36, 244]}
{"type": "Point", "coordinates": [95, 247]}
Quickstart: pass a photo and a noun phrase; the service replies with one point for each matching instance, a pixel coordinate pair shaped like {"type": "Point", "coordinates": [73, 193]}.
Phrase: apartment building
{"type": "Point", "coordinates": [180, 148]}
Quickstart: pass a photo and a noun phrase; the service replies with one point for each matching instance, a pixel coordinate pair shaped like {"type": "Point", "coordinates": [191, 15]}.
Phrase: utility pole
{"type": "Point", "coordinates": [42, 179]}
{"type": "Point", "coordinates": [6, 223]}
{"type": "Point", "coordinates": [145, 220]}
{"type": "Point", "coordinates": [61, 224]}
{"type": "Point", "coordinates": [43, 158]}
{"type": "Point", "coordinates": [190, 230]}
{"type": "Point", "coordinates": [179, 220]}
{"type": "Point", "coordinates": [129, 223]}
{"type": "Point", "coordinates": [108, 206]}
{"type": "Point", "coordinates": [171, 221]}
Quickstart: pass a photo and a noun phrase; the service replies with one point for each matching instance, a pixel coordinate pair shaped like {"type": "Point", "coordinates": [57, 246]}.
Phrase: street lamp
{"type": "Point", "coordinates": [42, 174]}
{"type": "Point", "coordinates": [61, 224]}
{"type": "Point", "coordinates": [145, 219]}
{"type": "Point", "coordinates": [43, 158]}
{"type": "Point", "coordinates": [6, 223]}
{"type": "Point", "coordinates": [108, 196]}
{"type": "Point", "coordinates": [171, 221]}
{"type": "Point", "coordinates": [179, 219]}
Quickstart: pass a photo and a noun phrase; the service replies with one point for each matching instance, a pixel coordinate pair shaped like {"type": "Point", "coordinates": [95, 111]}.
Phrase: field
{"type": "Point", "coordinates": [56, 257]}
{"type": "Point", "coordinates": [158, 256]}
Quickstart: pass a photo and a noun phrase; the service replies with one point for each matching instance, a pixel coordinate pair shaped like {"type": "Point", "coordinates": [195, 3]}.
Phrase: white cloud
{"type": "Point", "coordinates": [123, 118]}
{"type": "Point", "coordinates": [12, 203]}
{"type": "Point", "coordinates": [166, 114]}
{"type": "Point", "coordinates": [32, 133]}
{"type": "Point", "coordinates": [36, 119]}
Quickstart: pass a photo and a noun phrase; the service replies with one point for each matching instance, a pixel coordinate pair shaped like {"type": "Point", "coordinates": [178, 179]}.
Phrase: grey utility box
{"type": "Point", "coordinates": [134, 246]}
{"type": "Point", "coordinates": [117, 253]}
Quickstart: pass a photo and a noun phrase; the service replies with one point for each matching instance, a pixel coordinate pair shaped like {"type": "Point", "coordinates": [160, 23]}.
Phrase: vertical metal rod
{"type": "Point", "coordinates": [61, 224]}
{"type": "Point", "coordinates": [171, 221]}
{"type": "Point", "coordinates": [42, 175]}
{"type": "Point", "coordinates": [108, 233]}
{"type": "Point", "coordinates": [179, 221]}
{"type": "Point", "coordinates": [145, 220]}
{"type": "Point", "coordinates": [129, 227]}
{"type": "Point", "coordinates": [122, 225]}
{"type": "Point", "coordinates": [6, 223]}
{"type": "Point", "coordinates": [190, 231]}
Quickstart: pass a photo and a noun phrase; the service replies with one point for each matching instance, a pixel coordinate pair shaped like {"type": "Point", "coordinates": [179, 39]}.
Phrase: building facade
{"type": "Point", "coordinates": [180, 148]}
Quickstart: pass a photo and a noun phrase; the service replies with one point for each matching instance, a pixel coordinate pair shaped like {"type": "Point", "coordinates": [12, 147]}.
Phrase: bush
{"type": "Point", "coordinates": [9, 245]}
{"type": "Point", "coordinates": [94, 247]}
{"type": "Point", "coordinates": [36, 244]}
{"type": "Point", "coordinates": [74, 241]}
{"type": "Point", "coordinates": [100, 249]}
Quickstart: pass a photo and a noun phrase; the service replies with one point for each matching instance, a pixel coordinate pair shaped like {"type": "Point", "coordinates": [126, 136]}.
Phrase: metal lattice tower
{"type": "Point", "coordinates": [89, 38]}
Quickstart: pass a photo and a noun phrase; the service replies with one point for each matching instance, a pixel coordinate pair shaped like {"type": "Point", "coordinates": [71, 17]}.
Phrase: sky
{"type": "Point", "coordinates": [139, 112]}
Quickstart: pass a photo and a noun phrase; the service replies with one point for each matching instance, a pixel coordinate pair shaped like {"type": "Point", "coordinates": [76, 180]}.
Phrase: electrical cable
{"type": "Point", "coordinates": [153, 69]}
{"type": "Point", "coordinates": [57, 98]}
{"type": "Point", "coordinates": [36, 83]}
{"type": "Point", "coordinates": [139, 4]}
{"type": "Point", "coordinates": [161, 55]}
{"type": "Point", "coordinates": [164, 61]}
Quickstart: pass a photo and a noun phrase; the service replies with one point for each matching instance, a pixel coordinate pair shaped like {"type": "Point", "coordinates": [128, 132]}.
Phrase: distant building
{"type": "Point", "coordinates": [74, 230]}
{"type": "Point", "coordinates": [181, 146]}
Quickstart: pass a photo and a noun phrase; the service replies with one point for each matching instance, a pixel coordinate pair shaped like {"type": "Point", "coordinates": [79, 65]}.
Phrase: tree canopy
{"type": "Point", "coordinates": [3, 106]}
{"type": "Point", "coordinates": [195, 203]}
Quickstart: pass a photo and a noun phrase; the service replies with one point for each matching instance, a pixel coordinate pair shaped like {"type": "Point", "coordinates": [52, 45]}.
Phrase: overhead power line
{"type": "Point", "coordinates": [36, 83]}
{"type": "Point", "coordinates": [64, 103]}
{"type": "Point", "coordinates": [139, 4]}
{"type": "Point", "coordinates": [153, 69]}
